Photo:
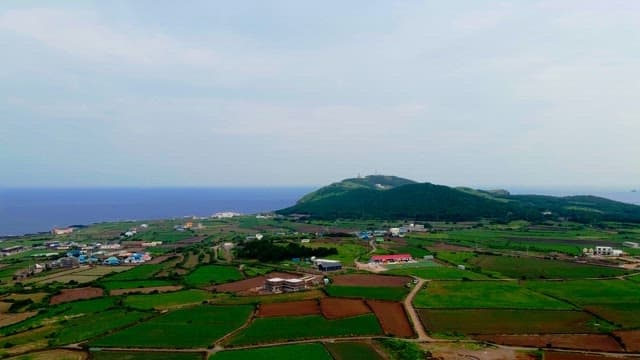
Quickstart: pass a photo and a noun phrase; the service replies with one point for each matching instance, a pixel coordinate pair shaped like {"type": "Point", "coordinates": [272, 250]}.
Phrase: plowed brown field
{"type": "Point", "coordinates": [552, 355]}
{"type": "Point", "coordinates": [292, 308]}
{"type": "Point", "coordinates": [371, 280]}
{"type": "Point", "coordinates": [75, 294]}
{"type": "Point", "coordinates": [590, 342]}
{"type": "Point", "coordinates": [631, 339]}
{"type": "Point", "coordinates": [392, 317]}
{"type": "Point", "coordinates": [336, 308]}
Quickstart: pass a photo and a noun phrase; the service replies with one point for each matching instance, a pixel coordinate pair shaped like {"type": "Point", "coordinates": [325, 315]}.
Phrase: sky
{"type": "Point", "coordinates": [152, 93]}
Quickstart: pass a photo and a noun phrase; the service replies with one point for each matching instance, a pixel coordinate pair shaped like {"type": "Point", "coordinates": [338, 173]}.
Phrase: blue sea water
{"type": "Point", "coordinates": [34, 210]}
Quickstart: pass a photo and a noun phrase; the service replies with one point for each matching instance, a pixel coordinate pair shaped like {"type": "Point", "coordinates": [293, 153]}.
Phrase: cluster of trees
{"type": "Point", "coordinates": [268, 251]}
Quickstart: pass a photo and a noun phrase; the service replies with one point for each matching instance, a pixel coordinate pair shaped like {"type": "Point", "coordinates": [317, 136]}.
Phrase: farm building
{"type": "Point", "coordinates": [64, 231]}
{"type": "Point", "coordinates": [277, 285]}
{"type": "Point", "coordinates": [12, 250]}
{"type": "Point", "coordinates": [327, 265]}
{"type": "Point", "coordinates": [631, 244]}
{"type": "Point", "coordinates": [378, 259]}
{"type": "Point", "coordinates": [69, 262]}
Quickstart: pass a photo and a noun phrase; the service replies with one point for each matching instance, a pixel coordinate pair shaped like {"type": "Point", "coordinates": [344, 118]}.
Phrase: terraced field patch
{"type": "Point", "coordinates": [167, 300]}
{"type": "Point", "coordinates": [123, 355]}
{"type": "Point", "coordinates": [313, 351]}
{"type": "Point", "coordinates": [292, 308]}
{"type": "Point", "coordinates": [348, 350]}
{"type": "Point", "coordinates": [501, 321]}
{"type": "Point", "coordinates": [438, 273]}
{"type": "Point", "coordinates": [139, 272]}
{"type": "Point", "coordinates": [484, 295]}
{"type": "Point", "coordinates": [273, 329]}
{"type": "Point", "coordinates": [181, 328]}
{"type": "Point", "coordinates": [392, 317]}
{"type": "Point", "coordinates": [213, 274]}
{"type": "Point", "coordinates": [361, 292]}
{"type": "Point", "coordinates": [336, 308]}
{"type": "Point", "coordinates": [590, 342]}
{"type": "Point", "coordinates": [67, 295]}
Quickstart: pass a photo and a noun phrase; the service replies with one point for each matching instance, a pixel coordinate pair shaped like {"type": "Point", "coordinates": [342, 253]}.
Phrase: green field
{"type": "Point", "coordinates": [83, 328]}
{"type": "Point", "coordinates": [377, 293]}
{"type": "Point", "coordinates": [484, 295]}
{"type": "Point", "coordinates": [347, 253]}
{"type": "Point", "coordinates": [140, 272]}
{"type": "Point", "coordinates": [121, 355]}
{"type": "Point", "coordinates": [499, 321]}
{"type": "Point", "coordinates": [272, 329]}
{"type": "Point", "coordinates": [614, 300]}
{"type": "Point", "coordinates": [213, 274]}
{"type": "Point", "coordinates": [534, 268]}
{"type": "Point", "coordinates": [352, 350]}
{"type": "Point", "coordinates": [167, 300]}
{"type": "Point", "coordinates": [455, 257]}
{"type": "Point", "coordinates": [313, 351]}
{"type": "Point", "coordinates": [437, 273]}
{"type": "Point", "coordinates": [113, 285]}
{"type": "Point", "coordinates": [181, 328]}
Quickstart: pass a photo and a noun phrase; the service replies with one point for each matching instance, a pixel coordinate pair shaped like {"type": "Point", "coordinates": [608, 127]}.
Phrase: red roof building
{"type": "Point", "coordinates": [391, 258]}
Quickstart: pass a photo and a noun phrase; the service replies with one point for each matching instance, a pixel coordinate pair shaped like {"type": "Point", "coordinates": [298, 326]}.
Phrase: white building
{"type": "Point", "coordinates": [604, 250]}
{"type": "Point", "coordinates": [631, 244]}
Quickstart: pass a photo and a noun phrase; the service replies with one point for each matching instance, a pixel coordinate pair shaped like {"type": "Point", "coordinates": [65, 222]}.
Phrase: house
{"type": "Point", "coordinates": [383, 259]}
{"type": "Point", "coordinates": [327, 265]}
{"type": "Point", "coordinates": [416, 228]}
{"type": "Point", "coordinates": [111, 261]}
{"type": "Point", "coordinates": [69, 262]}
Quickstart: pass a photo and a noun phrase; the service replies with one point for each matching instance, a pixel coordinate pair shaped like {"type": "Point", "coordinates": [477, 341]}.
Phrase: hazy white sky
{"type": "Point", "coordinates": [479, 93]}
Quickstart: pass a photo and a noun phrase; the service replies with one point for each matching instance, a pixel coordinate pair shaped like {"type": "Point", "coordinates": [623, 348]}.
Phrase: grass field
{"type": "Point", "coordinates": [167, 300]}
{"type": "Point", "coordinates": [377, 293]}
{"type": "Point", "coordinates": [181, 328]}
{"type": "Point", "coordinates": [213, 274]}
{"type": "Point", "coordinates": [437, 273]}
{"type": "Point", "coordinates": [140, 272]}
{"type": "Point", "coordinates": [614, 300]}
{"type": "Point", "coordinates": [313, 351]}
{"type": "Point", "coordinates": [455, 257]}
{"type": "Point", "coordinates": [264, 330]}
{"type": "Point", "coordinates": [534, 268]}
{"type": "Point", "coordinates": [121, 355]}
{"type": "Point", "coordinates": [346, 252]}
{"type": "Point", "coordinates": [352, 350]}
{"type": "Point", "coordinates": [468, 321]}
{"type": "Point", "coordinates": [113, 285]}
{"type": "Point", "coordinates": [484, 294]}
{"type": "Point", "coordinates": [78, 329]}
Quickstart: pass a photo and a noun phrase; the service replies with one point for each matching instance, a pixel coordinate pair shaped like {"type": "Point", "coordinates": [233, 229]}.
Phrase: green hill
{"type": "Point", "coordinates": [389, 197]}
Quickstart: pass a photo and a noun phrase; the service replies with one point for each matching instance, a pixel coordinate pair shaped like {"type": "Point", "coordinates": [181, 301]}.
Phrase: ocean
{"type": "Point", "coordinates": [24, 211]}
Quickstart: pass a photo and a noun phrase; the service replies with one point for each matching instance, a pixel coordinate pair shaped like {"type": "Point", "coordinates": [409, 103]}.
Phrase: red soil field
{"type": "Point", "coordinates": [248, 284]}
{"type": "Point", "coordinates": [371, 280]}
{"type": "Point", "coordinates": [291, 308]}
{"type": "Point", "coordinates": [631, 339]}
{"type": "Point", "coordinates": [552, 355]}
{"type": "Point", "coordinates": [75, 294]}
{"type": "Point", "coordinates": [392, 317]}
{"type": "Point", "coordinates": [336, 308]}
{"type": "Point", "coordinates": [590, 342]}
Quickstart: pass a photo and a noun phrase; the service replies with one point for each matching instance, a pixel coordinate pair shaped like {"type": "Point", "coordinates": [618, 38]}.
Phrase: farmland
{"type": "Point", "coordinates": [361, 292]}
{"type": "Point", "coordinates": [167, 300]}
{"type": "Point", "coordinates": [181, 328]}
{"type": "Point", "coordinates": [212, 274]}
{"type": "Point", "coordinates": [534, 268]}
{"type": "Point", "coordinates": [194, 306]}
{"type": "Point", "coordinates": [264, 330]}
{"type": "Point", "coordinates": [499, 321]}
{"type": "Point", "coordinates": [313, 351]}
{"type": "Point", "coordinates": [345, 350]}
{"type": "Point", "coordinates": [484, 294]}
{"type": "Point", "coordinates": [122, 355]}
